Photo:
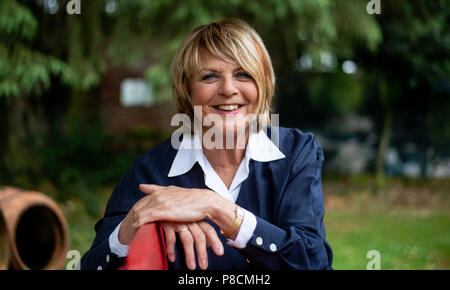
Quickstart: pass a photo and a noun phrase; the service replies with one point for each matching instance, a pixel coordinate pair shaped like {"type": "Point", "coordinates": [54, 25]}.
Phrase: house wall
{"type": "Point", "coordinates": [118, 118]}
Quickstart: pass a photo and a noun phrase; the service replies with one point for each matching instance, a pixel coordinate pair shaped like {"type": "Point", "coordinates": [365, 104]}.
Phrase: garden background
{"type": "Point", "coordinates": [85, 89]}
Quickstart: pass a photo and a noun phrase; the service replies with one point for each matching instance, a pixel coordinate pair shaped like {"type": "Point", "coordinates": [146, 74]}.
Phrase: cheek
{"type": "Point", "coordinates": [201, 94]}
{"type": "Point", "coordinates": [251, 94]}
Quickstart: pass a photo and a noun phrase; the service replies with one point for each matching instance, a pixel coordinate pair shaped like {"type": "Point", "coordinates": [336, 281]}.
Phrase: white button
{"type": "Point", "coordinates": [247, 261]}
{"type": "Point", "coordinates": [99, 268]}
{"type": "Point", "coordinates": [259, 241]}
{"type": "Point", "coordinates": [107, 258]}
{"type": "Point", "coordinates": [273, 247]}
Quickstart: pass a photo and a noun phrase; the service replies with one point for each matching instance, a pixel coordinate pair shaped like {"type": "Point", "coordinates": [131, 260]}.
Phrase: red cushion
{"type": "Point", "coordinates": [147, 250]}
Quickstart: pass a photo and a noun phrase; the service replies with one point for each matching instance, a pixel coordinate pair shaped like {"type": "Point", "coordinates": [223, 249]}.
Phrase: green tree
{"type": "Point", "coordinates": [24, 70]}
{"type": "Point", "coordinates": [37, 44]}
{"type": "Point", "coordinates": [413, 57]}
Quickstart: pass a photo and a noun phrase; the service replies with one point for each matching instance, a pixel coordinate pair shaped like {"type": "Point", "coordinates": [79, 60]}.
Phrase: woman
{"type": "Point", "coordinates": [227, 186]}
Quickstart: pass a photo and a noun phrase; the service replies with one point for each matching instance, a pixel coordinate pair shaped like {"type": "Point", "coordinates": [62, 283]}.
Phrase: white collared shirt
{"type": "Point", "coordinates": [259, 148]}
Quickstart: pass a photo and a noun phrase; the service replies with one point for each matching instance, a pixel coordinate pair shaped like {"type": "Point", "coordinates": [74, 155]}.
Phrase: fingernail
{"type": "Point", "coordinates": [191, 265]}
{"type": "Point", "coordinates": [203, 263]}
{"type": "Point", "coordinates": [219, 250]}
{"type": "Point", "coordinates": [172, 258]}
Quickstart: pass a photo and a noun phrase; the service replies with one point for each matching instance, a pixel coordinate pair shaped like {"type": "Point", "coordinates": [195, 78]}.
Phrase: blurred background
{"type": "Point", "coordinates": [85, 89]}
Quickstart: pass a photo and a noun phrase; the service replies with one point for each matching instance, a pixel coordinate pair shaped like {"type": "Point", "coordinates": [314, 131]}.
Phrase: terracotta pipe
{"type": "Point", "coordinates": [4, 244]}
{"type": "Point", "coordinates": [37, 229]}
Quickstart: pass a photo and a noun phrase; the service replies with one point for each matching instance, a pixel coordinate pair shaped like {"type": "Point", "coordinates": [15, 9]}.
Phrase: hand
{"type": "Point", "coordinates": [173, 203]}
{"type": "Point", "coordinates": [176, 204]}
{"type": "Point", "coordinates": [201, 233]}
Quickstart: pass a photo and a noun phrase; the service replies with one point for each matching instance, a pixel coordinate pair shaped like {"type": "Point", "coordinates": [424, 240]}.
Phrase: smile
{"type": "Point", "coordinates": [232, 108]}
{"type": "Point", "coordinates": [228, 109]}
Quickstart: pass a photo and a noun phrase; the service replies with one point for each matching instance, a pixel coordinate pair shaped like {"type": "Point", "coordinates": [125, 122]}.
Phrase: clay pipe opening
{"type": "Point", "coordinates": [38, 237]}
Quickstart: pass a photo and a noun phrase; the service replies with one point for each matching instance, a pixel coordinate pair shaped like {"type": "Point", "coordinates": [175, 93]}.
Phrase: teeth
{"type": "Point", "coordinates": [228, 107]}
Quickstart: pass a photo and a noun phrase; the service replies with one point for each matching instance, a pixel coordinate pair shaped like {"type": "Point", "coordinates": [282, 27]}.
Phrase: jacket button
{"type": "Point", "coordinates": [273, 247]}
{"type": "Point", "coordinates": [99, 268]}
{"type": "Point", "coordinates": [259, 241]}
{"type": "Point", "coordinates": [107, 258]}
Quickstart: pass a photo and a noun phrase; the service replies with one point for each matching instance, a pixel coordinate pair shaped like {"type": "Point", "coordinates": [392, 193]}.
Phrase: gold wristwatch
{"type": "Point", "coordinates": [231, 232]}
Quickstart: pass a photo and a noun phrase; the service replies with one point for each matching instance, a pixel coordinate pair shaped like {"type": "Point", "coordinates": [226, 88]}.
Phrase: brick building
{"type": "Point", "coordinates": [120, 109]}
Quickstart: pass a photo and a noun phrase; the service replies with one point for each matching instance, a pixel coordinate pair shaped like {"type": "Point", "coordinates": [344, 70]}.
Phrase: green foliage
{"type": "Point", "coordinates": [415, 42]}
{"type": "Point", "coordinates": [23, 70]}
{"type": "Point", "coordinates": [154, 29]}
{"type": "Point", "coordinates": [29, 59]}
{"type": "Point", "coordinates": [438, 123]}
{"type": "Point", "coordinates": [79, 159]}
{"type": "Point", "coordinates": [16, 22]}
{"type": "Point", "coordinates": [331, 26]}
{"type": "Point", "coordinates": [417, 34]}
{"type": "Point", "coordinates": [87, 163]}
{"type": "Point", "coordinates": [409, 66]}
{"type": "Point", "coordinates": [336, 93]}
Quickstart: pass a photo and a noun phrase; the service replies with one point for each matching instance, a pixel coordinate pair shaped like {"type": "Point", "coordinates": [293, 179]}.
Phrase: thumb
{"type": "Point", "coordinates": [149, 188]}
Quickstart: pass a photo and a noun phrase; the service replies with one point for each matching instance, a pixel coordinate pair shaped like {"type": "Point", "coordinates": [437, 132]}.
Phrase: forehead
{"type": "Point", "coordinates": [208, 61]}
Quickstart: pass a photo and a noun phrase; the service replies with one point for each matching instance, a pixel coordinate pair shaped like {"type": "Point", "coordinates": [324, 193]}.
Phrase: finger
{"type": "Point", "coordinates": [181, 227]}
{"type": "Point", "coordinates": [169, 233]}
{"type": "Point", "coordinates": [188, 245]}
{"type": "Point", "coordinates": [200, 245]}
{"type": "Point", "coordinates": [212, 238]}
{"type": "Point", "coordinates": [149, 188]}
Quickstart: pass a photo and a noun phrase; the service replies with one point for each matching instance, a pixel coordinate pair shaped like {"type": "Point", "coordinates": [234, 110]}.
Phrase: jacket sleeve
{"type": "Point", "coordinates": [296, 238]}
{"type": "Point", "coordinates": [124, 196]}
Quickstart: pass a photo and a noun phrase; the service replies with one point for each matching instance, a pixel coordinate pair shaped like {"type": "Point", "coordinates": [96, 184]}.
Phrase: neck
{"type": "Point", "coordinates": [231, 155]}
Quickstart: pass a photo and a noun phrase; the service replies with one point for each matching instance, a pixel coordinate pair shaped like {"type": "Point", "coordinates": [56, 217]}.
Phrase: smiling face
{"type": "Point", "coordinates": [226, 90]}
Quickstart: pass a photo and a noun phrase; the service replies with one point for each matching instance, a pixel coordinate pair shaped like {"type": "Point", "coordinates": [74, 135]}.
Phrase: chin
{"type": "Point", "coordinates": [233, 128]}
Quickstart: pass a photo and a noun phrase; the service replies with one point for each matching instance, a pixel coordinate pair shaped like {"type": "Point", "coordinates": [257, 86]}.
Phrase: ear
{"type": "Point", "coordinates": [149, 188]}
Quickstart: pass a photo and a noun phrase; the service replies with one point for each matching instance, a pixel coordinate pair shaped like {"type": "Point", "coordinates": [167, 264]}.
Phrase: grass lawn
{"type": "Point", "coordinates": [408, 223]}
{"type": "Point", "coordinates": [405, 238]}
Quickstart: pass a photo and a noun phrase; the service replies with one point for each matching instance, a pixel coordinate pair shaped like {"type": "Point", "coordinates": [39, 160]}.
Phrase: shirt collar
{"type": "Point", "coordinates": [259, 148]}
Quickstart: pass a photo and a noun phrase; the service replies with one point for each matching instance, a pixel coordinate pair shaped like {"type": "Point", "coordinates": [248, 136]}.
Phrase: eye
{"type": "Point", "coordinates": [243, 75]}
{"type": "Point", "coordinates": [209, 77]}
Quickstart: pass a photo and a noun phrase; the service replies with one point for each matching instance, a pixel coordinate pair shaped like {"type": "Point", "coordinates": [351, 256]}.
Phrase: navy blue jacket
{"type": "Point", "coordinates": [285, 196]}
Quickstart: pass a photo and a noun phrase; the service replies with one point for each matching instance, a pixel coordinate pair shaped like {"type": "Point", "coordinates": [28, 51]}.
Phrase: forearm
{"type": "Point", "coordinates": [221, 211]}
{"type": "Point", "coordinates": [127, 230]}
{"type": "Point", "coordinates": [224, 215]}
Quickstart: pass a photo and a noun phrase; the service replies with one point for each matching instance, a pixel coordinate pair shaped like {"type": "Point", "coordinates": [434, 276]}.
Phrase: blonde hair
{"type": "Point", "coordinates": [233, 41]}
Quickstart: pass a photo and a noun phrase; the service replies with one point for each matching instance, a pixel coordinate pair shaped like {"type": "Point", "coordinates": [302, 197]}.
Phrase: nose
{"type": "Point", "coordinates": [228, 87]}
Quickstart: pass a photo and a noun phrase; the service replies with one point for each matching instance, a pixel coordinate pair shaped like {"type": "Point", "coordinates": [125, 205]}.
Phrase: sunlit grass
{"type": "Point", "coordinates": [405, 239]}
